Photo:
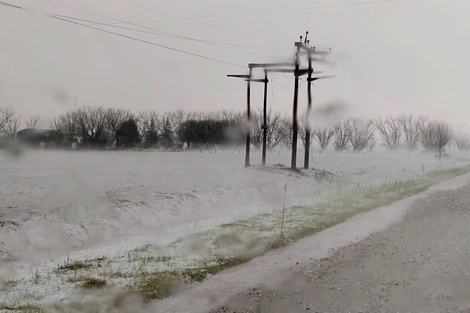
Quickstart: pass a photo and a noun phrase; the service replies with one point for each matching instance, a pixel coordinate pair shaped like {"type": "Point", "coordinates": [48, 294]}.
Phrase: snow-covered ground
{"type": "Point", "coordinates": [61, 206]}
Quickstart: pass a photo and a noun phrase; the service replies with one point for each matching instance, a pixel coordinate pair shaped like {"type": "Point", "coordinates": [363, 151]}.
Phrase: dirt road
{"type": "Point", "coordinates": [419, 264]}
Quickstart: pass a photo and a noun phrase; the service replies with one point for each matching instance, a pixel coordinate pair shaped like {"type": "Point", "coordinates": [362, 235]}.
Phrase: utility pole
{"type": "Point", "coordinates": [310, 51]}
{"type": "Point", "coordinates": [265, 118]}
{"type": "Point", "coordinates": [297, 72]}
{"type": "Point", "coordinates": [295, 126]}
{"type": "Point", "coordinates": [249, 79]}
{"type": "Point", "coordinates": [309, 109]}
{"type": "Point", "coordinates": [248, 118]}
{"type": "Point", "coordinates": [248, 113]}
{"type": "Point", "coordinates": [267, 67]}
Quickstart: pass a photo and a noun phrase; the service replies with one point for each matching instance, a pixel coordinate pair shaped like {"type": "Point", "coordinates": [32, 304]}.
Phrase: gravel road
{"type": "Point", "coordinates": [420, 264]}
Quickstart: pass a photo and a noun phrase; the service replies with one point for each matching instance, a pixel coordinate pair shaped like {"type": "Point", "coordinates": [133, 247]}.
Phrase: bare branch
{"type": "Point", "coordinates": [323, 135]}
{"type": "Point", "coordinates": [362, 133]}
{"type": "Point", "coordinates": [390, 131]}
{"type": "Point", "coordinates": [32, 122]}
{"type": "Point", "coordinates": [343, 133]}
{"type": "Point", "coordinates": [412, 127]}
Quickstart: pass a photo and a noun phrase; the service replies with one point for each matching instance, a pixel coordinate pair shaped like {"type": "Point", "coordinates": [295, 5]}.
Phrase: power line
{"type": "Point", "coordinates": [11, 5]}
{"type": "Point", "coordinates": [325, 6]}
{"type": "Point", "coordinates": [160, 32]}
{"type": "Point", "coordinates": [147, 42]}
{"type": "Point", "coordinates": [171, 35]}
{"type": "Point", "coordinates": [211, 25]}
{"type": "Point", "coordinates": [138, 25]}
{"type": "Point", "coordinates": [58, 17]}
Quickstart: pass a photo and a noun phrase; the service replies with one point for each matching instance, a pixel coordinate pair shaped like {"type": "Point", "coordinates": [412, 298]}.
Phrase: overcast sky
{"type": "Point", "coordinates": [392, 57]}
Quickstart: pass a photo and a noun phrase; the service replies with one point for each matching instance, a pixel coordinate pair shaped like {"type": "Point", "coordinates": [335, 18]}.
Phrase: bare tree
{"type": "Point", "coordinates": [176, 118]}
{"type": "Point", "coordinates": [113, 118]}
{"type": "Point", "coordinates": [362, 133]}
{"type": "Point", "coordinates": [6, 115]}
{"type": "Point", "coordinates": [144, 121]}
{"type": "Point", "coordinates": [92, 123]}
{"type": "Point", "coordinates": [276, 131]}
{"type": "Point", "coordinates": [343, 133]}
{"type": "Point", "coordinates": [12, 126]}
{"type": "Point", "coordinates": [412, 127]}
{"type": "Point", "coordinates": [463, 142]}
{"type": "Point", "coordinates": [32, 122]}
{"type": "Point", "coordinates": [435, 136]}
{"type": "Point", "coordinates": [371, 144]}
{"type": "Point", "coordinates": [68, 122]}
{"type": "Point", "coordinates": [323, 135]}
{"type": "Point", "coordinates": [390, 131]}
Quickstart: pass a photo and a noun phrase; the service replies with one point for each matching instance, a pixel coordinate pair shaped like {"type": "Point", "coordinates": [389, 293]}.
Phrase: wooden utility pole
{"type": "Point", "coordinates": [248, 118]}
{"type": "Point", "coordinates": [310, 51]}
{"type": "Point", "coordinates": [248, 114]}
{"type": "Point", "coordinates": [309, 109]}
{"type": "Point", "coordinates": [267, 67]}
{"type": "Point", "coordinates": [249, 79]}
{"type": "Point", "coordinates": [295, 126]}
{"type": "Point", "coordinates": [265, 118]}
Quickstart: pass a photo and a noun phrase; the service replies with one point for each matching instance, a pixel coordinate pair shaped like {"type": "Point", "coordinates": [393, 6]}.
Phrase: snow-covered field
{"type": "Point", "coordinates": [111, 208]}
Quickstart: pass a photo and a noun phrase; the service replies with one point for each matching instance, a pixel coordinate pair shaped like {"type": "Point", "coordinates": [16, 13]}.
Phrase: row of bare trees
{"type": "Point", "coordinates": [98, 125]}
{"type": "Point", "coordinates": [394, 131]}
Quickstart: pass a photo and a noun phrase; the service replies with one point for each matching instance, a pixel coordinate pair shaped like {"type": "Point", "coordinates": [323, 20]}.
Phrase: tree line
{"type": "Point", "coordinates": [100, 127]}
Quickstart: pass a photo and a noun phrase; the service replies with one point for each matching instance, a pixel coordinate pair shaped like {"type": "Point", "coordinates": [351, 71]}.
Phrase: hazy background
{"type": "Point", "coordinates": [393, 57]}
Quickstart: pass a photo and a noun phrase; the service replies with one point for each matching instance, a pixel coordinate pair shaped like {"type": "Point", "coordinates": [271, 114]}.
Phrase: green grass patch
{"type": "Point", "coordinates": [74, 266]}
{"type": "Point", "coordinates": [158, 285]}
{"type": "Point", "coordinates": [27, 308]}
{"type": "Point", "coordinates": [155, 285]}
{"type": "Point", "coordinates": [88, 282]}
{"type": "Point", "coordinates": [92, 283]}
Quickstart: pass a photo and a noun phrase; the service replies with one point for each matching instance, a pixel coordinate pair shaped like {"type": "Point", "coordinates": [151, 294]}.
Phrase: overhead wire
{"type": "Point", "coordinates": [324, 6]}
{"type": "Point", "coordinates": [210, 24]}
{"type": "Point", "coordinates": [147, 42]}
{"type": "Point", "coordinates": [147, 27]}
{"type": "Point", "coordinates": [194, 20]}
{"type": "Point", "coordinates": [11, 5]}
{"type": "Point", "coordinates": [171, 35]}
{"type": "Point", "coordinates": [58, 17]}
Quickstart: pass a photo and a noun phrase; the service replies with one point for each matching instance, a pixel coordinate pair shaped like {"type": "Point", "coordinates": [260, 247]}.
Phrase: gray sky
{"type": "Point", "coordinates": [405, 56]}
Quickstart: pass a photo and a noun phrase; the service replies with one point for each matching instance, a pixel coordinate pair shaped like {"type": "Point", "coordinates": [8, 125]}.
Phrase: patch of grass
{"type": "Point", "coordinates": [198, 274]}
{"type": "Point", "coordinates": [74, 266]}
{"type": "Point", "coordinates": [9, 284]}
{"type": "Point", "coordinates": [158, 285]}
{"type": "Point", "coordinates": [92, 283]}
{"type": "Point", "coordinates": [146, 254]}
{"type": "Point", "coordinates": [116, 275]}
{"type": "Point", "coordinates": [88, 282]}
{"type": "Point", "coordinates": [27, 308]}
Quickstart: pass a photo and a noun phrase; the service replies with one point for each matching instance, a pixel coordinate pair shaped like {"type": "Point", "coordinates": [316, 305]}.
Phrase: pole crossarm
{"type": "Point", "coordinates": [260, 80]}
{"type": "Point", "coordinates": [247, 78]}
{"type": "Point", "coordinates": [300, 72]}
{"type": "Point", "coordinates": [238, 76]}
{"type": "Point", "coordinates": [268, 65]}
{"type": "Point", "coordinates": [321, 77]}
